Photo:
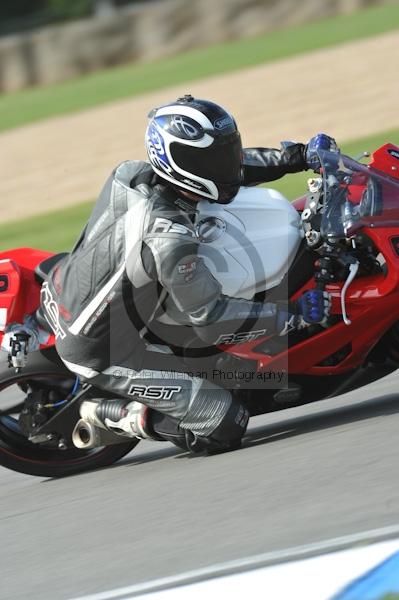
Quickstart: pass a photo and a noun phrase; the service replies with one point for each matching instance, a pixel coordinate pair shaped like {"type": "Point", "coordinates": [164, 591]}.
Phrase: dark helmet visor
{"type": "Point", "coordinates": [220, 163]}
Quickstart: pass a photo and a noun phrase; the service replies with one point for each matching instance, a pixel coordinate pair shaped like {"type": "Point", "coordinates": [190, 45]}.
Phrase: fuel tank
{"type": "Point", "coordinates": [250, 243]}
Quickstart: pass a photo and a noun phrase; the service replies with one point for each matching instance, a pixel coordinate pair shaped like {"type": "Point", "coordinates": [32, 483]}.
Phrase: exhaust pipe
{"type": "Point", "coordinates": [90, 432]}
{"type": "Point", "coordinates": [86, 436]}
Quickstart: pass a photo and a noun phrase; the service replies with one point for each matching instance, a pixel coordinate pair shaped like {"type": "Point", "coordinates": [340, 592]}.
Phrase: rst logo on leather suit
{"type": "Point", "coordinates": [240, 338]}
{"type": "Point", "coordinates": [51, 312]}
{"type": "Point", "coordinates": [162, 225]}
{"type": "Point", "coordinates": [155, 392]}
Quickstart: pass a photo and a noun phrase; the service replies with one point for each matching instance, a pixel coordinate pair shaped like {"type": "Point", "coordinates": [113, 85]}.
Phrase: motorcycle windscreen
{"type": "Point", "coordinates": [356, 196]}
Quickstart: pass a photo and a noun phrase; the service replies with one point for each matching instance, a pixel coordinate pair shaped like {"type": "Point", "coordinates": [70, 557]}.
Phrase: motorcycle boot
{"type": "Point", "coordinates": [130, 419]}
{"type": "Point", "coordinates": [137, 420]}
{"type": "Point", "coordinates": [225, 437]}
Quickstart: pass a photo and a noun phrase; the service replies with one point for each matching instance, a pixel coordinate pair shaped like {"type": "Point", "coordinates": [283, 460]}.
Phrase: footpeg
{"type": "Point", "coordinates": [18, 354]}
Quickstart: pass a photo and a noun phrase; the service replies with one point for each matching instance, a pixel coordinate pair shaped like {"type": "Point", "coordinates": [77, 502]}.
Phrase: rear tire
{"type": "Point", "coordinates": [19, 454]}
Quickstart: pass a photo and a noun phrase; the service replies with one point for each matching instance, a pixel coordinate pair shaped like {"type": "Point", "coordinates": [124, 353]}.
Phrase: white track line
{"type": "Point", "coordinates": [249, 563]}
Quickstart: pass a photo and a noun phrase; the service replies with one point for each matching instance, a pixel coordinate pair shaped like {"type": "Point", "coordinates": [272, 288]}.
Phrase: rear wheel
{"type": "Point", "coordinates": [18, 453]}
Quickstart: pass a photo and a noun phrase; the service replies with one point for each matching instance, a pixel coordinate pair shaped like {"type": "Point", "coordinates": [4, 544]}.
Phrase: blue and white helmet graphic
{"type": "Point", "coordinates": [195, 145]}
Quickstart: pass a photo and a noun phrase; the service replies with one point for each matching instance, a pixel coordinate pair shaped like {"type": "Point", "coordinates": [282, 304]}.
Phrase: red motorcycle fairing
{"type": "Point", "coordinates": [373, 306]}
{"type": "Point", "coordinates": [386, 160]}
{"type": "Point", "coordinates": [372, 302]}
{"type": "Point", "coordinates": [19, 289]}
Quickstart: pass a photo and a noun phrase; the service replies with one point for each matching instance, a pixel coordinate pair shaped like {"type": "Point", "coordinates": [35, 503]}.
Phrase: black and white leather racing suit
{"type": "Point", "coordinates": [134, 289]}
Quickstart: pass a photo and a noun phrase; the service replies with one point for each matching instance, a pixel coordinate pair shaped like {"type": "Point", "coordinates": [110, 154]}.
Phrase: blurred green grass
{"type": "Point", "coordinates": [132, 79]}
{"type": "Point", "coordinates": [58, 230]}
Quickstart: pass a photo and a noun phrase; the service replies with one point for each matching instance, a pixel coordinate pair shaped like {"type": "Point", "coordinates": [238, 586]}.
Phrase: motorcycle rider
{"type": "Point", "coordinates": [136, 272]}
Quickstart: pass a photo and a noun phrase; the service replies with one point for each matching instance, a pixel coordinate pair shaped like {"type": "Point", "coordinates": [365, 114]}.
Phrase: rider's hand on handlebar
{"type": "Point", "coordinates": [321, 141]}
{"type": "Point", "coordinates": [312, 308]}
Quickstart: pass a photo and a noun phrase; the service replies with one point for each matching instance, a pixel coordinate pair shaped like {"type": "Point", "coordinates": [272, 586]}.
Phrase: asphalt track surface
{"type": "Point", "coordinates": [304, 475]}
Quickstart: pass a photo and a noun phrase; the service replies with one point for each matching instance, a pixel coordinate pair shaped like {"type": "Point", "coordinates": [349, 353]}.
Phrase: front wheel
{"type": "Point", "coordinates": [18, 453]}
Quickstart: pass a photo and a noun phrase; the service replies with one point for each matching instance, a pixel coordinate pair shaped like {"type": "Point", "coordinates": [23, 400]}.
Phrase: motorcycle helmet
{"type": "Point", "coordinates": [195, 145]}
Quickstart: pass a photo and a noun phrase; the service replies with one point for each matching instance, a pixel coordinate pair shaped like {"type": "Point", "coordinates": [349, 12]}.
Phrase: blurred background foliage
{"type": "Point", "coordinates": [22, 15]}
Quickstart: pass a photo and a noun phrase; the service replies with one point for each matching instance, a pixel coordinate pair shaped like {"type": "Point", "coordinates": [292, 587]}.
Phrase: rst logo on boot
{"type": "Point", "coordinates": [154, 392]}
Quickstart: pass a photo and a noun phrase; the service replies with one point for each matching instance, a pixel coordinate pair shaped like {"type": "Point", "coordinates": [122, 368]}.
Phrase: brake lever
{"type": "Point", "coordinates": [353, 269]}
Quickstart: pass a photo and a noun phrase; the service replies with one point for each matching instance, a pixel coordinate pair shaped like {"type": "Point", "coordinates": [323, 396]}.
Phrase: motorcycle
{"type": "Point", "coordinates": [342, 237]}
